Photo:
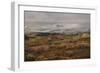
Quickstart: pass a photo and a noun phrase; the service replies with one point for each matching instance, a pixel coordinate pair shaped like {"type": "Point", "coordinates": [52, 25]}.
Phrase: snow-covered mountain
{"type": "Point", "coordinates": [58, 28]}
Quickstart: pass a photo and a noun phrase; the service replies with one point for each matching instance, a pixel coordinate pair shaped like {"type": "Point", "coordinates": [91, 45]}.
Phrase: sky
{"type": "Point", "coordinates": [35, 21]}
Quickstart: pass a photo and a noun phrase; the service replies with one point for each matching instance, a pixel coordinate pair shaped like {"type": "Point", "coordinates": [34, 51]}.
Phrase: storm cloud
{"type": "Point", "coordinates": [35, 21]}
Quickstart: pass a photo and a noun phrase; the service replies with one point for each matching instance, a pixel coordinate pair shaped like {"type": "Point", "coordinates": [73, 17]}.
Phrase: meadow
{"type": "Point", "coordinates": [56, 46]}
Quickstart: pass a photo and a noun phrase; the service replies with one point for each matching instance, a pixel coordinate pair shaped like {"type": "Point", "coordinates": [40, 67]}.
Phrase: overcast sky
{"type": "Point", "coordinates": [55, 21]}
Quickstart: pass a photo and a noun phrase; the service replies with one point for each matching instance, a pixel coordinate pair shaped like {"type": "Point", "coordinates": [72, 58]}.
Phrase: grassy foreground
{"type": "Point", "coordinates": [40, 46]}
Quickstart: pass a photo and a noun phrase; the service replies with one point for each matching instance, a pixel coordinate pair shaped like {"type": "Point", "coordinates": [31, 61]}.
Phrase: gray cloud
{"type": "Point", "coordinates": [54, 21]}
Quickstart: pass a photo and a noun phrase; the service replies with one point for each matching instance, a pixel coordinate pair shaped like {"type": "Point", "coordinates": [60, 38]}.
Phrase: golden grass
{"type": "Point", "coordinates": [57, 47]}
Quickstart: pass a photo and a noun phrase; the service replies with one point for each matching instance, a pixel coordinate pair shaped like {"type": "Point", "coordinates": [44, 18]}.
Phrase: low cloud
{"type": "Point", "coordinates": [49, 21]}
